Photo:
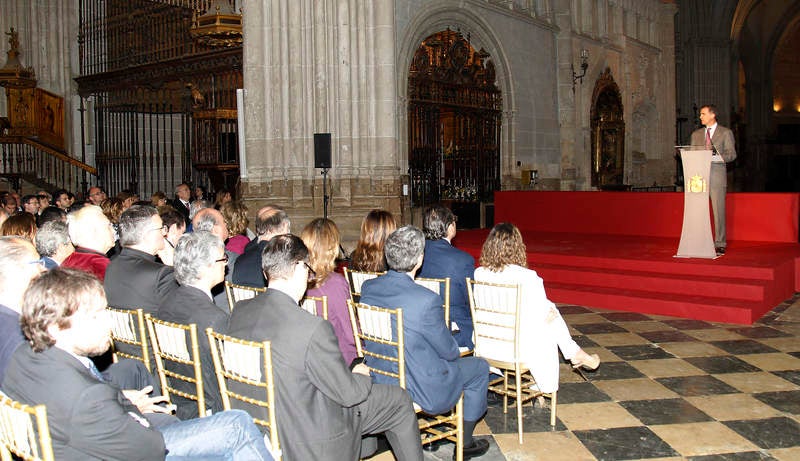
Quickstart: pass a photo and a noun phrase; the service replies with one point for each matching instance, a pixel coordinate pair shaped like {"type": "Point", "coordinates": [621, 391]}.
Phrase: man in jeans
{"type": "Point", "coordinates": [64, 319]}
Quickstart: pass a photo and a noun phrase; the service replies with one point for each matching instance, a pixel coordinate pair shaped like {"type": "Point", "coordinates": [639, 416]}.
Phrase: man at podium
{"type": "Point", "coordinates": [719, 140]}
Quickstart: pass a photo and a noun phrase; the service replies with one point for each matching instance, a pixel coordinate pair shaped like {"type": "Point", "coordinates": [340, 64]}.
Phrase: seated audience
{"type": "Point", "coordinates": [199, 193]}
{"type": "Point", "coordinates": [134, 278]}
{"type": "Point", "coordinates": [223, 196]}
{"type": "Point", "coordinates": [62, 199]}
{"type": "Point", "coordinates": [30, 204]}
{"type": "Point", "coordinates": [53, 243]}
{"type": "Point", "coordinates": [158, 199]}
{"type": "Point", "coordinates": [9, 204]}
{"type": "Point", "coordinates": [368, 254]}
{"type": "Point", "coordinates": [322, 407]}
{"type": "Point", "coordinates": [96, 195]}
{"type": "Point", "coordinates": [196, 206]}
{"type": "Point", "coordinates": [63, 317]}
{"type": "Point", "coordinates": [44, 199]}
{"type": "Point", "coordinates": [128, 198]}
{"type": "Point", "coordinates": [93, 235]}
{"type": "Point", "coordinates": [442, 260]}
{"type": "Point", "coordinates": [199, 266]}
{"type": "Point", "coordinates": [271, 220]}
{"type": "Point", "coordinates": [52, 213]}
{"type": "Point", "coordinates": [504, 260]}
{"type": "Point", "coordinates": [436, 374]}
{"type": "Point", "coordinates": [211, 220]}
{"type": "Point", "coordinates": [22, 224]}
{"type": "Point", "coordinates": [181, 201]}
{"type": "Point", "coordinates": [235, 214]}
{"type": "Point", "coordinates": [176, 227]}
{"type": "Point", "coordinates": [321, 236]}
{"type": "Point", "coordinates": [3, 216]}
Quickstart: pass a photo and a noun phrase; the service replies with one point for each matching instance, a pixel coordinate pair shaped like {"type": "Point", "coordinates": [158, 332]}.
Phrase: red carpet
{"type": "Point", "coordinates": [624, 271]}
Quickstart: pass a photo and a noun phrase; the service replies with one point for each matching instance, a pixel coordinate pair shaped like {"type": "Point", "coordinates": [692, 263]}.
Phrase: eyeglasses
{"type": "Point", "coordinates": [312, 274]}
{"type": "Point", "coordinates": [224, 259]}
{"type": "Point", "coordinates": [163, 229]}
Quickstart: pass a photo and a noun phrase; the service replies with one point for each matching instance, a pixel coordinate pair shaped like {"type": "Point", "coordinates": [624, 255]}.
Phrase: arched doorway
{"type": "Point", "coordinates": [454, 119]}
{"type": "Point", "coordinates": [608, 135]}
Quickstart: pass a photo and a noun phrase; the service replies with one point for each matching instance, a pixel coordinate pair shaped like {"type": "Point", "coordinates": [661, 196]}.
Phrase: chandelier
{"type": "Point", "coordinates": [220, 26]}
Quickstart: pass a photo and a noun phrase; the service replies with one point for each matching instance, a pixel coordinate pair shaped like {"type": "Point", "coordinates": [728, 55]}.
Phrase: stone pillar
{"type": "Point", "coordinates": [315, 66]}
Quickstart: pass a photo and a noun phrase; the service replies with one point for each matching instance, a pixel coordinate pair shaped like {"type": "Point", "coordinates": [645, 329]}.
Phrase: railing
{"type": "Point", "coordinates": [44, 166]}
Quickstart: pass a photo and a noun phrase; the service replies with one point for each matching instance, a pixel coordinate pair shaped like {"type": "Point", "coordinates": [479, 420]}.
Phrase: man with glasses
{"type": "Point", "coordinates": [199, 265]}
{"type": "Point", "coordinates": [96, 195]}
{"type": "Point", "coordinates": [30, 204]}
{"type": "Point", "coordinates": [322, 407]}
{"type": "Point", "coordinates": [133, 278]}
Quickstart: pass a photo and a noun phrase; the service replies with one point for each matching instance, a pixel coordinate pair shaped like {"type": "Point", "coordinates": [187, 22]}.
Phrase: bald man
{"type": "Point", "coordinates": [271, 220]}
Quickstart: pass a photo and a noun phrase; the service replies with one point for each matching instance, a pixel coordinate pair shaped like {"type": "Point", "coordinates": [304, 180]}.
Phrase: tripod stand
{"type": "Point", "coordinates": [325, 196]}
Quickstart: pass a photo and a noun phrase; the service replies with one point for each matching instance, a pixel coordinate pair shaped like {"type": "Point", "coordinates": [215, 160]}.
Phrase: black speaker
{"type": "Point", "coordinates": [322, 150]}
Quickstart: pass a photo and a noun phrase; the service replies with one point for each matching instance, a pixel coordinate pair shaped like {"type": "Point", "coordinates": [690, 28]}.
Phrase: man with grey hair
{"type": "Point", "coordinates": [211, 220]}
{"type": "Point", "coordinates": [199, 265]}
{"type": "Point", "coordinates": [271, 220]}
{"type": "Point", "coordinates": [53, 243]}
{"type": "Point", "coordinates": [92, 234]}
{"type": "Point", "coordinates": [436, 372]}
{"type": "Point", "coordinates": [133, 278]}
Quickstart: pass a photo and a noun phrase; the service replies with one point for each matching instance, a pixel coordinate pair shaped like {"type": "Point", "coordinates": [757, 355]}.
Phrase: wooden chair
{"type": "Point", "coordinates": [442, 288]}
{"type": "Point", "coordinates": [24, 432]}
{"type": "Point", "coordinates": [250, 364]}
{"type": "Point", "coordinates": [309, 304]}
{"type": "Point", "coordinates": [357, 278]}
{"type": "Point", "coordinates": [128, 327]}
{"type": "Point", "coordinates": [378, 325]}
{"type": "Point", "coordinates": [177, 344]}
{"type": "Point", "coordinates": [495, 318]}
{"type": "Point", "coordinates": [237, 293]}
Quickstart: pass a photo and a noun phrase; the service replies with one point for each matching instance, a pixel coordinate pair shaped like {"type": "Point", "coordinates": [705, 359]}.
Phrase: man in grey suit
{"type": "Point", "coordinates": [720, 140]}
{"type": "Point", "coordinates": [322, 408]}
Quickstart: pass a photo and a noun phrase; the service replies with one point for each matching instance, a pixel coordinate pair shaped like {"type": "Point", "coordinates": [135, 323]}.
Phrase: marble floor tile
{"type": "Point", "coordinates": [583, 341]}
{"type": "Point", "coordinates": [596, 328]}
{"type": "Point", "coordinates": [617, 339]}
{"type": "Point", "coordinates": [743, 346]}
{"type": "Point", "coordinates": [721, 364]}
{"type": "Point", "coordinates": [668, 336]}
{"type": "Point", "coordinates": [534, 419]}
{"type": "Point", "coordinates": [692, 349]}
{"type": "Point", "coordinates": [584, 319]}
{"type": "Point", "coordinates": [634, 389]}
{"type": "Point", "coordinates": [551, 446]}
{"type": "Point", "coordinates": [625, 316]}
{"type": "Point", "coordinates": [786, 454]}
{"type": "Point", "coordinates": [640, 352]}
{"type": "Point", "coordinates": [741, 456]}
{"type": "Point", "coordinates": [788, 401]}
{"type": "Point", "coordinates": [759, 332]}
{"type": "Point", "coordinates": [688, 324]}
{"type": "Point", "coordinates": [637, 327]}
{"type": "Point", "coordinates": [665, 411]}
{"type": "Point", "coordinates": [660, 368]}
{"type": "Point", "coordinates": [757, 382]}
{"type": "Point", "coordinates": [780, 432]}
{"type": "Point", "coordinates": [613, 370]}
{"type": "Point", "coordinates": [776, 361]}
{"type": "Point", "coordinates": [788, 344]}
{"type": "Point", "coordinates": [714, 334]}
{"type": "Point", "coordinates": [570, 309]}
{"type": "Point", "coordinates": [732, 407]}
{"type": "Point", "coordinates": [625, 443]}
{"type": "Point", "coordinates": [600, 415]}
{"type": "Point", "coordinates": [791, 376]}
{"type": "Point", "coordinates": [580, 393]}
{"type": "Point", "coordinates": [689, 386]}
{"type": "Point", "coordinates": [693, 439]}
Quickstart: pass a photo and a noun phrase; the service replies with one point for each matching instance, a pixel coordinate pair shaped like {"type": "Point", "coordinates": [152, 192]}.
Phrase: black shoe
{"type": "Point", "coordinates": [720, 251]}
{"type": "Point", "coordinates": [433, 446]}
{"type": "Point", "coordinates": [494, 399]}
{"type": "Point", "coordinates": [478, 448]}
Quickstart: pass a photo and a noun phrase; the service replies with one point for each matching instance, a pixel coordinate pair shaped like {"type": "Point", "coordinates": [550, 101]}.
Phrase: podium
{"type": "Point", "coordinates": [696, 238]}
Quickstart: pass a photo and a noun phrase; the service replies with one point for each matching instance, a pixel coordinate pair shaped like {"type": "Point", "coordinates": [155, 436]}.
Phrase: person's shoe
{"type": "Point", "coordinates": [478, 448]}
{"type": "Point", "coordinates": [720, 251]}
{"type": "Point", "coordinates": [582, 359]}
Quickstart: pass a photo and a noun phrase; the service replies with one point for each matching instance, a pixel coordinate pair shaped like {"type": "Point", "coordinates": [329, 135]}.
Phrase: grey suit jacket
{"type": "Point", "coordinates": [723, 141]}
{"type": "Point", "coordinates": [315, 391]}
{"type": "Point", "coordinates": [89, 419]}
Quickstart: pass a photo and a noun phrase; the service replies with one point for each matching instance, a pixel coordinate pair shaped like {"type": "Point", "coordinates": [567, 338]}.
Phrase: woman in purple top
{"type": "Point", "coordinates": [235, 215]}
{"type": "Point", "coordinates": [321, 236]}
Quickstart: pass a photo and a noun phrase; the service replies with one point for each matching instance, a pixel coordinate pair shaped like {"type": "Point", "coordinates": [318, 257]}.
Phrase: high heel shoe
{"type": "Point", "coordinates": [584, 360]}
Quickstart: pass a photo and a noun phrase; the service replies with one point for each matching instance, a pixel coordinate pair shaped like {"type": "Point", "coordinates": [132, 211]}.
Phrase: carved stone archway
{"type": "Point", "coordinates": [608, 134]}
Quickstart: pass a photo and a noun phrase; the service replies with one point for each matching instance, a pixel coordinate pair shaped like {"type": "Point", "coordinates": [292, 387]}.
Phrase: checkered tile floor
{"type": "Point", "coordinates": [667, 389]}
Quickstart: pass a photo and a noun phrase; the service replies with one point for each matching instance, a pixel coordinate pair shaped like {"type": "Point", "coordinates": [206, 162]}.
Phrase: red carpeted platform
{"type": "Point", "coordinates": [615, 250]}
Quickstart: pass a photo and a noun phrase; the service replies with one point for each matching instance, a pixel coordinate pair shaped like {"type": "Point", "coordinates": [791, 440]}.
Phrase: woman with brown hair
{"type": "Point", "coordinates": [235, 215]}
{"type": "Point", "coordinates": [322, 237]}
{"type": "Point", "coordinates": [368, 255]}
{"type": "Point", "coordinates": [22, 224]}
{"type": "Point", "coordinates": [543, 331]}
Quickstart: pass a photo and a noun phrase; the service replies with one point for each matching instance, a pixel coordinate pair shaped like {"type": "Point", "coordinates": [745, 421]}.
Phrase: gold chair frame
{"type": "Point", "coordinates": [251, 364]}
{"type": "Point", "coordinates": [24, 431]}
{"type": "Point", "coordinates": [236, 293]}
{"type": "Point", "coordinates": [436, 285]}
{"type": "Point", "coordinates": [372, 323]}
{"type": "Point", "coordinates": [488, 312]}
{"type": "Point", "coordinates": [356, 278]}
{"type": "Point", "coordinates": [168, 347]}
{"type": "Point", "coordinates": [309, 304]}
{"type": "Point", "coordinates": [128, 327]}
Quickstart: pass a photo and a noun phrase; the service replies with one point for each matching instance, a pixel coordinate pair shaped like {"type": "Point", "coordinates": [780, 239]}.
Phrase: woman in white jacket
{"type": "Point", "coordinates": [542, 329]}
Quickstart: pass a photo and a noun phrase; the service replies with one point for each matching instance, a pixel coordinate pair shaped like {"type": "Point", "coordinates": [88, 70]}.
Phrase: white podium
{"type": "Point", "coordinates": [697, 240]}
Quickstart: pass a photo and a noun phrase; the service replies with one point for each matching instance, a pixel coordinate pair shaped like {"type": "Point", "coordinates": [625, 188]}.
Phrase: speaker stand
{"type": "Point", "coordinates": [325, 196]}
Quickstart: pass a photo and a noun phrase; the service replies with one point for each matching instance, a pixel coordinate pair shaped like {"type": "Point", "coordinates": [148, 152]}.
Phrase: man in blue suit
{"type": "Point", "coordinates": [436, 374]}
{"type": "Point", "coordinates": [444, 260]}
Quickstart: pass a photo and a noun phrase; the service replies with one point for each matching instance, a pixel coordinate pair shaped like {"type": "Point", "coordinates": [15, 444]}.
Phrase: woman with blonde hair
{"type": "Point", "coordinates": [322, 238]}
{"type": "Point", "coordinates": [368, 255]}
{"type": "Point", "coordinates": [504, 260]}
{"type": "Point", "coordinates": [235, 215]}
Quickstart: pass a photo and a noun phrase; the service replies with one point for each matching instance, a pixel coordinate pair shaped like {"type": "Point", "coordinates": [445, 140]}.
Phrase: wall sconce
{"type": "Point", "coordinates": [584, 66]}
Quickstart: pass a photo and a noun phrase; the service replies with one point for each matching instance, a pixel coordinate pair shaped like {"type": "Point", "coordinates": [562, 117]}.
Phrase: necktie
{"type": "Point", "coordinates": [708, 138]}
{"type": "Point", "coordinates": [95, 372]}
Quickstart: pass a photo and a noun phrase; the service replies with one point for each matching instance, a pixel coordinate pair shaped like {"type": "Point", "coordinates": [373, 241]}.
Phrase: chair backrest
{"type": "Point", "coordinates": [237, 293]}
{"type": "Point", "coordinates": [379, 339]}
{"type": "Point", "coordinates": [442, 288]}
{"type": "Point", "coordinates": [177, 344]}
{"type": "Point", "coordinates": [128, 327]}
{"type": "Point", "coordinates": [357, 278]}
{"type": "Point", "coordinates": [24, 431]}
{"type": "Point", "coordinates": [250, 364]}
{"type": "Point", "coordinates": [310, 303]}
{"type": "Point", "coordinates": [495, 318]}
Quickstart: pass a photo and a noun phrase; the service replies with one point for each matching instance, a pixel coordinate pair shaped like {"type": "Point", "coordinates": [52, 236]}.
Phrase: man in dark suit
{"type": "Point", "coordinates": [63, 317]}
{"type": "Point", "coordinates": [435, 373]}
{"type": "Point", "coordinates": [134, 279]}
{"type": "Point", "coordinates": [442, 260]}
{"type": "Point", "coordinates": [322, 408]}
{"type": "Point", "coordinates": [181, 202]}
{"type": "Point", "coordinates": [199, 265]}
{"type": "Point", "coordinates": [271, 220]}
{"type": "Point", "coordinates": [211, 220]}
{"type": "Point", "coordinates": [720, 140]}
